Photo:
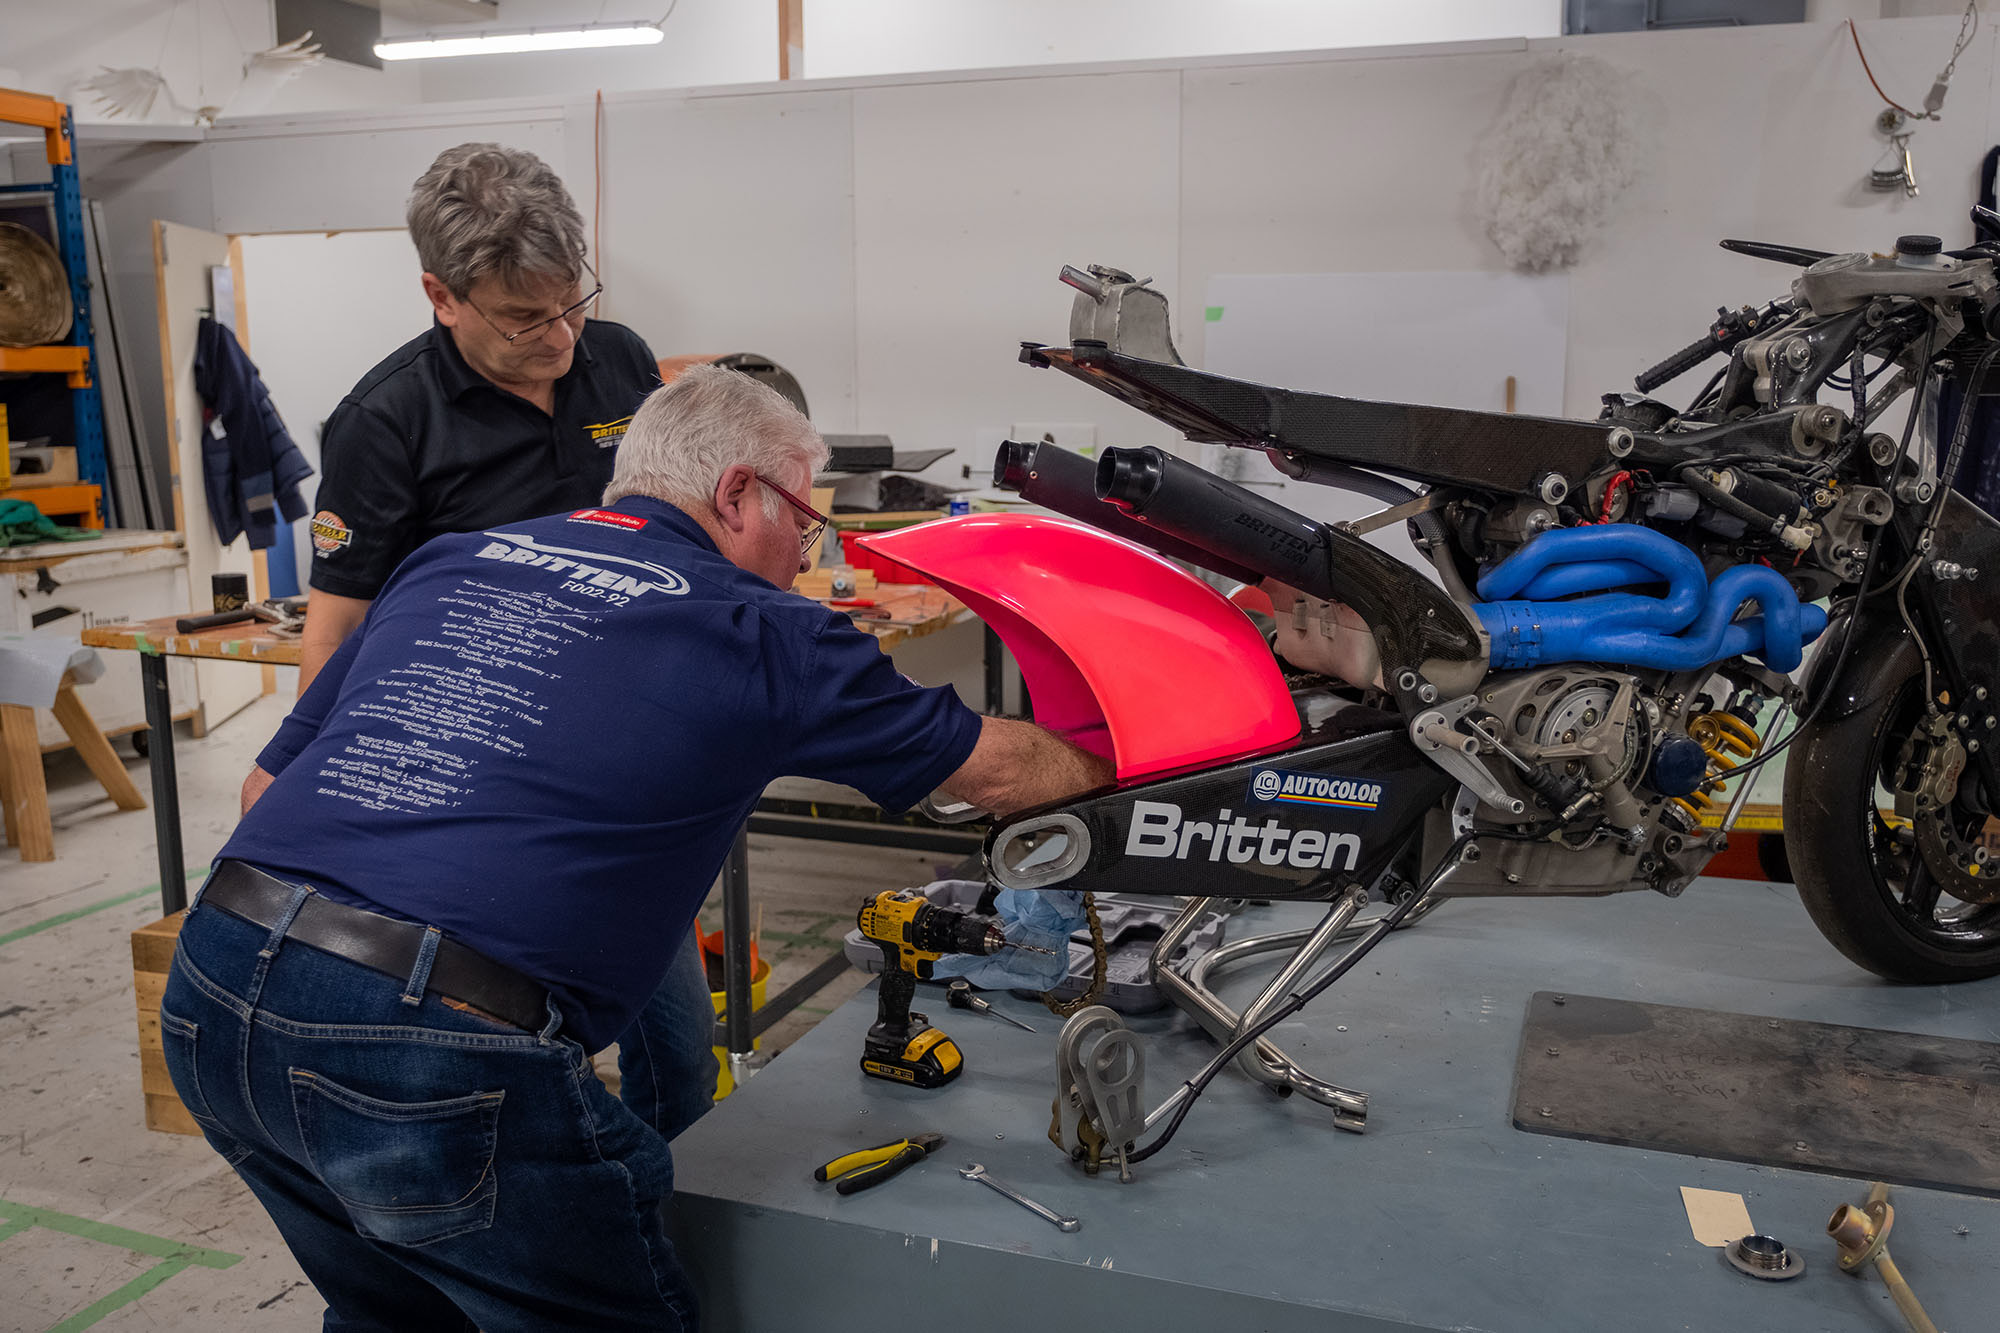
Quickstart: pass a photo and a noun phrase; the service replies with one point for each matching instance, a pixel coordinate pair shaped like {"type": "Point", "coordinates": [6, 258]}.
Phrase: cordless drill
{"type": "Point", "coordinates": [913, 933]}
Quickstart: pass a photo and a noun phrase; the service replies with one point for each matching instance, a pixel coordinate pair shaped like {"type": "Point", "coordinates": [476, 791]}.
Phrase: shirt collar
{"type": "Point", "coordinates": [669, 516]}
{"type": "Point", "coordinates": [459, 378]}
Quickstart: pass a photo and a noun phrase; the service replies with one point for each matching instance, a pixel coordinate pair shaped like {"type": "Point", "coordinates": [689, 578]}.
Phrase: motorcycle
{"type": "Point", "coordinates": [1560, 707]}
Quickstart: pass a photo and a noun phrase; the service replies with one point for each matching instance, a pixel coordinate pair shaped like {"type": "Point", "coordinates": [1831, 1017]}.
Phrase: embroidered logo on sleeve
{"type": "Point", "coordinates": [606, 434]}
{"type": "Point", "coordinates": [329, 534]}
{"type": "Point", "coordinates": [609, 517]}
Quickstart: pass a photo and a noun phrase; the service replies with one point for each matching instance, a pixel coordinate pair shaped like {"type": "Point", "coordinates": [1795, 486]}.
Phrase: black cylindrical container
{"type": "Point", "coordinates": [1180, 500]}
{"type": "Point", "coordinates": [1055, 478]}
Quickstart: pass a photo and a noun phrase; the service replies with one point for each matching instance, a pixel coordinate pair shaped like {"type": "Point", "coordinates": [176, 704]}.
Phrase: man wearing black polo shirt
{"type": "Point", "coordinates": [496, 812]}
{"type": "Point", "coordinates": [512, 405]}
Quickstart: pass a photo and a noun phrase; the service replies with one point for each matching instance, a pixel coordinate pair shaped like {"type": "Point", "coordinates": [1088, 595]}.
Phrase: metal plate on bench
{"type": "Point", "coordinates": [1894, 1106]}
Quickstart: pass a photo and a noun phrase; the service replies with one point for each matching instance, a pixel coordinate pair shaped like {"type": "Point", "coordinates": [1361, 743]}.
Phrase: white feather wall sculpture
{"type": "Point", "coordinates": [1570, 139]}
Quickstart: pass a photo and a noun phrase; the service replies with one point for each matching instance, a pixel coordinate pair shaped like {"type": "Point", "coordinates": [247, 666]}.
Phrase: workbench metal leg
{"type": "Point", "coordinates": [736, 953]}
{"type": "Point", "coordinates": [166, 786]}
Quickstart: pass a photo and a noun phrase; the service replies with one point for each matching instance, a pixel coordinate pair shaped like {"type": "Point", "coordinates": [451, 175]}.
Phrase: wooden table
{"type": "Point", "coordinates": [155, 641]}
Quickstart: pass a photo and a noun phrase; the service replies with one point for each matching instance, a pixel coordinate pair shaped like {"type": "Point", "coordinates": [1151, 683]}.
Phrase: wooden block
{"type": "Point", "coordinates": [153, 945]}
{"type": "Point", "coordinates": [167, 1115]}
{"type": "Point", "coordinates": [152, 956]}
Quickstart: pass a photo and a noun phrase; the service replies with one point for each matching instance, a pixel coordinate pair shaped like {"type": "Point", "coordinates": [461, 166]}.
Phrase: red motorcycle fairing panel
{"type": "Point", "coordinates": [1122, 651]}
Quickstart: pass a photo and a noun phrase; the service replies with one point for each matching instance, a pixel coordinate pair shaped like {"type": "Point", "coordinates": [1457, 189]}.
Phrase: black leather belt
{"type": "Point", "coordinates": [383, 943]}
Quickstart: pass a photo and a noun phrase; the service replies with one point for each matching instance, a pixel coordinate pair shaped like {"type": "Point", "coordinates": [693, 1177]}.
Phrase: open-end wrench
{"type": "Point", "coordinates": [974, 1171]}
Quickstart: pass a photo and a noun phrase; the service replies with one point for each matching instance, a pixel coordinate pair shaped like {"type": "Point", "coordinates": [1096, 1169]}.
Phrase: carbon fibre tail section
{"type": "Point", "coordinates": [1490, 451]}
{"type": "Point", "coordinates": [1122, 651]}
{"type": "Point", "coordinates": [1301, 824]}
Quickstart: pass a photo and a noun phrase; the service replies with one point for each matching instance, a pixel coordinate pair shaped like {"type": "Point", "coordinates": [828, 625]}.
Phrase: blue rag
{"type": "Point", "coordinates": [1045, 919]}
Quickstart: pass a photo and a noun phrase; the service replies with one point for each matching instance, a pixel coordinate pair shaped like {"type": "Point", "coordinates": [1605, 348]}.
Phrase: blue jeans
{"type": "Point", "coordinates": [429, 1167]}
{"type": "Point", "coordinates": [666, 1064]}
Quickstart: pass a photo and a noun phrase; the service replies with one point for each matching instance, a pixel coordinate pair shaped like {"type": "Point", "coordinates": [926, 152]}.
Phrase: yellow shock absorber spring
{"type": "Point", "coordinates": [1727, 740]}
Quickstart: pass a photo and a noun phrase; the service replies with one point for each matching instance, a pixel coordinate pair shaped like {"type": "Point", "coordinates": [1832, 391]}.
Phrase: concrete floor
{"type": "Point", "coordinates": [106, 1225]}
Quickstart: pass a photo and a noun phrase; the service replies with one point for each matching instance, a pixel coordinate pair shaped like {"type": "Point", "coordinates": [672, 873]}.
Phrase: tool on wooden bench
{"type": "Point", "coordinates": [286, 617]}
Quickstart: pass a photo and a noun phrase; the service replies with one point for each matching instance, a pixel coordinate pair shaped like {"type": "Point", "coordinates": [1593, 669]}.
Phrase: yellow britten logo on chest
{"type": "Point", "coordinates": [606, 434]}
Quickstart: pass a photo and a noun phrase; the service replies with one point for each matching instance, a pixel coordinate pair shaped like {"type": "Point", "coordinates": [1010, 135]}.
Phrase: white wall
{"type": "Point", "coordinates": [892, 243]}
{"type": "Point", "coordinates": [854, 38]}
{"type": "Point", "coordinates": [297, 288]}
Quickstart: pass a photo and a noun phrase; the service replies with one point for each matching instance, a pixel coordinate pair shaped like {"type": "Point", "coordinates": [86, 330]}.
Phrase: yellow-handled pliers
{"type": "Point", "coordinates": [872, 1166]}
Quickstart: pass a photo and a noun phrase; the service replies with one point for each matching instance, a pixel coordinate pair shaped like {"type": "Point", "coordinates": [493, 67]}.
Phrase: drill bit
{"type": "Point", "coordinates": [959, 995]}
{"type": "Point", "coordinates": [1031, 948]}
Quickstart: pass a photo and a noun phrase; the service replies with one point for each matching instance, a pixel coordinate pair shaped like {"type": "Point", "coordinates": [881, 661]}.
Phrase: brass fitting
{"type": "Point", "coordinates": [1862, 1236]}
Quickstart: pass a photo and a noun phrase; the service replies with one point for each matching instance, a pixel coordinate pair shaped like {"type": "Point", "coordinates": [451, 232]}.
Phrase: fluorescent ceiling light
{"type": "Point", "coordinates": [430, 47]}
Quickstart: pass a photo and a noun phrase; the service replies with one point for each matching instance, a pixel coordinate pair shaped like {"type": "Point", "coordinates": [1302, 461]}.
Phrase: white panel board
{"type": "Point", "coordinates": [969, 199]}
{"type": "Point", "coordinates": [325, 308]}
{"type": "Point", "coordinates": [339, 174]}
{"type": "Point", "coordinates": [1342, 167]}
{"type": "Point", "coordinates": [728, 227]}
{"type": "Point", "coordinates": [183, 257]}
{"type": "Point", "coordinates": [1446, 339]}
{"type": "Point", "coordinates": [1449, 339]}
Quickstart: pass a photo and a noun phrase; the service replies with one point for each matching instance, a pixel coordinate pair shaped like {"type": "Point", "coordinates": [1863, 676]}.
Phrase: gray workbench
{"type": "Point", "coordinates": [1261, 1215]}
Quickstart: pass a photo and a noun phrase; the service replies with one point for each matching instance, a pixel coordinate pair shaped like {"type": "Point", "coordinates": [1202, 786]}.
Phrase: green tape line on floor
{"type": "Point", "coordinates": [159, 1247]}
{"type": "Point", "coordinates": [62, 918]}
{"type": "Point", "coordinates": [120, 1298]}
{"type": "Point", "coordinates": [172, 1254]}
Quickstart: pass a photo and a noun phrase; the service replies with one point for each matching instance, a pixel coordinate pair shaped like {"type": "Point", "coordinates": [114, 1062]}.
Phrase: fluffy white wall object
{"type": "Point", "coordinates": [1567, 144]}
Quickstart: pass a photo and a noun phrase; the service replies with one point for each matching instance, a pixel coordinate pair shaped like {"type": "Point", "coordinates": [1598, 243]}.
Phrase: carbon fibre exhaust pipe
{"type": "Point", "coordinates": [1176, 499]}
{"type": "Point", "coordinates": [1056, 478]}
{"type": "Point", "coordinates": [1429, 643]}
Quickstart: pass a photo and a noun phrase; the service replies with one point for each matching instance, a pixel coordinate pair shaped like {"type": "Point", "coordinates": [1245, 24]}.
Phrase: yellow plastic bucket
{"type": "Point", "coordinates": [725, 1083]}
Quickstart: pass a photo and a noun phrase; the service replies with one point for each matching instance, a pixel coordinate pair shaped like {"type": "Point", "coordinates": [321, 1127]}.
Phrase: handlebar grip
{"type": "Point", "coordinates": [1678, 364]}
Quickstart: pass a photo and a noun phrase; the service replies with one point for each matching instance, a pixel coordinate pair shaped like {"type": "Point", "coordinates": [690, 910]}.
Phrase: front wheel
{"type": "Point", "coordinates": [1909, 899]}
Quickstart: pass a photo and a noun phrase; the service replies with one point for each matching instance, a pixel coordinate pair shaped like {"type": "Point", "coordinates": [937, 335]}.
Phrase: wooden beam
{"type": "Point", "coordinates": [791, 39]}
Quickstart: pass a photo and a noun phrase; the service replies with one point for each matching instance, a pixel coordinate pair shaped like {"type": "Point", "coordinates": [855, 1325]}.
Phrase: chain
{"type": "Point", "coordinates": [1099, 961]}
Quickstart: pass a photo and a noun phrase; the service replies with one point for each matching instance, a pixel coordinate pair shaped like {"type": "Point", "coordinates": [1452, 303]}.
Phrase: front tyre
{"type": "Point", "coordinates": [1906, 900]}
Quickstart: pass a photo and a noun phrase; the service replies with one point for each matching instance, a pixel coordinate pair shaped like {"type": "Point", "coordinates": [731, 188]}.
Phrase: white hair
{"type": "Point", "coordinates": [706, 420]}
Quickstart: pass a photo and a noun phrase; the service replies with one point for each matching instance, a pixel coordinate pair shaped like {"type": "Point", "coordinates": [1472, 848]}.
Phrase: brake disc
{"type": "Point", "coordinates": [1926, 778]}
{"type": "Point", "coordinates": [1960, 864]}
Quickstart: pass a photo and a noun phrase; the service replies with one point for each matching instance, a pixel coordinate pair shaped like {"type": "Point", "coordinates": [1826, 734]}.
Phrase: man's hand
{"type": "Point", "coordinates": [254, 785]}
{"type": "Point", "coordinates": [329, 620]}
{"type": "Point", "coordinates": [1018, 765]}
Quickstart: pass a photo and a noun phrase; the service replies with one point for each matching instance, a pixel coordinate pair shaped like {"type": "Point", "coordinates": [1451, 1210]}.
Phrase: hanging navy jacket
{"type": "Point", "coordinates": [249, 463]}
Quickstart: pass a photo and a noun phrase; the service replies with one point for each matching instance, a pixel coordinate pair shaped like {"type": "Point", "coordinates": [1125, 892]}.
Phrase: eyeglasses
{"type": "Point", "coordinates": [816, 521]}
{"type": "Point", "coordinates": [574, 314]}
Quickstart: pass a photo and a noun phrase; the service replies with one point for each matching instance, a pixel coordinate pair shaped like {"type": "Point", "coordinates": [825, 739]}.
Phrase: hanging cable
{"type": "Point", "coordinates": [1968, 28]}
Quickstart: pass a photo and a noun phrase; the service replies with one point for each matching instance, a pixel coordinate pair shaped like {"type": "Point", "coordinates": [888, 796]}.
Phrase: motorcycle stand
{"type": "Point", "coordinates": [1263, 1060]}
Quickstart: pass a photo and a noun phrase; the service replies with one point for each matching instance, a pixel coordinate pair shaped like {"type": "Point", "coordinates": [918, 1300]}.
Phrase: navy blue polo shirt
{"type": "Point", "coordinates": [544, 737]}
{"type": "Point", "coordinates": [425, 445]}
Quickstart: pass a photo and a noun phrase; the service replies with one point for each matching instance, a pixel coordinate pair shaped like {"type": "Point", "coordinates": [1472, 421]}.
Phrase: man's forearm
{"type": "Point", "coordinates": [329, 620]}
{"type": "Point", "coordinates": [1018, 765]}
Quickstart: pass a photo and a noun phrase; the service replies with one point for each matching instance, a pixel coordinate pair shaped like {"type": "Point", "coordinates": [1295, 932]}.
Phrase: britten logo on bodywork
{"type": "Point", "coordinates": [1280, 786]}
{"type": "Point", "coordinates": [592, 567]}
{"type": "Point", "coordinates": [1159, 829]}
{"type": "Point", "coordinates": [328, 532]}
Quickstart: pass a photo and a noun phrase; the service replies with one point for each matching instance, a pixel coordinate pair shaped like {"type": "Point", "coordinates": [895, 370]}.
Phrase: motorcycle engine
{"type": "Point", "coordinates": [1588, 743]}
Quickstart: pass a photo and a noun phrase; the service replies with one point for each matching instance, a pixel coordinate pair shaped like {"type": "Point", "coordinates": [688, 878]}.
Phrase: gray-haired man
{"type": "Point", "coordinates": [511, 406]}
{"type": "Point", "coordinates": [508, 793]}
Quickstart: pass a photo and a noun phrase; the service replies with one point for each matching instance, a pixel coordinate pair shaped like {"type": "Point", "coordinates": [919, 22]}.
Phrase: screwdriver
{"type": "Point", "coordinates": [959, 995]}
